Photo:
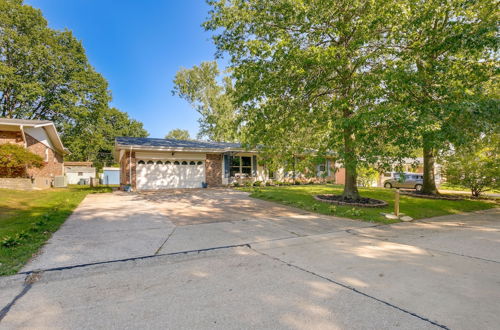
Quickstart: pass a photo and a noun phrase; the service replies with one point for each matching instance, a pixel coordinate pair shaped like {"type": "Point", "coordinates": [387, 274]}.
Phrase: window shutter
{"type": "Point", "coordinates": [254, 165]}
{"type": "Point", "coordinates": [226, 166]}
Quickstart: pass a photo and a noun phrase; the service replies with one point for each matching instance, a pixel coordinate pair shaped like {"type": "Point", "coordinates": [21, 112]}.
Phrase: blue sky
{"type": "Point", "coordinates": [138, 46]}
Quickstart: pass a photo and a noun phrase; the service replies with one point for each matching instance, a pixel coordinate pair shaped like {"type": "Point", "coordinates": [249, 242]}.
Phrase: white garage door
{"type": "Point", "coordinates": [154, 175]}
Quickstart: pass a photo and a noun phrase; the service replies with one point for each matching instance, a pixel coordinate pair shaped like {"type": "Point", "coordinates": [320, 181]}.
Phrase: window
{"type": "Point", "coordinates": [322, 167]}
{"type": "Point", "coordinates": [176, 163]}
{"type": "Point", "coordinates": [240, 165]}
{"type": "Point", "coordinates": [184, 162]}
{"type": "Point", "coordinates": [168, 162]}
{"type": "Point", "coordinates": [200, 162]}
{"type": "Point", "coordinates": [192, 163]}
{"type": "Point", "coordinates": [159, 162]}
{"type": "Point", "coordinates": [150, 162]}
{"type": "Point", "coordinates": [141, 162]}
{"type": "Point", "coordinates": [80, 173]}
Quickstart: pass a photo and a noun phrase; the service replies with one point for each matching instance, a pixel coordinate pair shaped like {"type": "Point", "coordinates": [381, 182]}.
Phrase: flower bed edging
{"type": "Point", "coordinates": [443, 197]}
{"type": "Point", "coordinates": [382, 203]}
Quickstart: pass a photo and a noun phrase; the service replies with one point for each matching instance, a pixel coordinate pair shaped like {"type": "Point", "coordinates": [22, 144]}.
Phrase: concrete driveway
{"type": "Point", "coordinates": [219, 259]}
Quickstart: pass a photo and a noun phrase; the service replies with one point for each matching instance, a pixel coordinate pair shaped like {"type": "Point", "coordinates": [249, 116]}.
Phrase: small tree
{"type": "Point", "coordinates": [475, 167]}
{"type": "Point", "coordinates": [14, 160]}
{"type": "Point", "coordinates": [366, 175]}
{"type": "Point", "coordinates": [179, 134]}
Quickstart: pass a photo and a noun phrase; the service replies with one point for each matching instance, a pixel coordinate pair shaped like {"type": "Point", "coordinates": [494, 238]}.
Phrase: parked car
{"type": "Point", "coordinates": [405, 180]}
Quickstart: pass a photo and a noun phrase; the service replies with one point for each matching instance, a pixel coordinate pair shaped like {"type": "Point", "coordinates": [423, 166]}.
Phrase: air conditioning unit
{"type": "Point", "coordinates": [60, 181]}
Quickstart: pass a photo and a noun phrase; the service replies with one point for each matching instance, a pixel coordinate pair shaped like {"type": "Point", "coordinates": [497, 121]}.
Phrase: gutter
{"type": "Point", "coordinates": [24, 135]}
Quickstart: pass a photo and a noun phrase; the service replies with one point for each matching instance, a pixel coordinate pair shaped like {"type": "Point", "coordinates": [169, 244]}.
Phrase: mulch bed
{"type": "Point", "coordinates": [340, 200]}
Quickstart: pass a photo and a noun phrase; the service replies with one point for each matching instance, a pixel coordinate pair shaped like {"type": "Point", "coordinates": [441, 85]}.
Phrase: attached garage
{"type": "Point", "coordinates": [169, 174]}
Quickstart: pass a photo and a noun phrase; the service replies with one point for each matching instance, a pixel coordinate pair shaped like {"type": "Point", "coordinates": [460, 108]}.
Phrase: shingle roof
{"type": "Point", "coordinates": [23, 121]}
{"type": "Point", "coordinates": [173, 143]}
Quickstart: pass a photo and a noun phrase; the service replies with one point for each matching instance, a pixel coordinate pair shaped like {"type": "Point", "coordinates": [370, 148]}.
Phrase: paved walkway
{"type": "Point", "coordinates": [120, 261]}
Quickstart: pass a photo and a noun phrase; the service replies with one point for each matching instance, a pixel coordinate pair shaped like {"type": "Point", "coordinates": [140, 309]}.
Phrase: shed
{"type": "Point", "coordinates": [75, 171]}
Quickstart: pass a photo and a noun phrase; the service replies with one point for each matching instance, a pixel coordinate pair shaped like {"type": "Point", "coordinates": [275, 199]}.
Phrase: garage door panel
{"type": "Point", "coordinates": [168, 176]}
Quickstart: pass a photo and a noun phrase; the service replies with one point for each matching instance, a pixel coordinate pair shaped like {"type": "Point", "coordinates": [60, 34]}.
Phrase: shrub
{"type": "Point", "coordinates": [236, 184]}
{"type": "Point", "coordinates": [8, 242]}
{"type": "Point", "coordinates": [247, 184]}
{"type": "Point", "coordinates": [297, 182]}
{"type": "Point", "coordinates": [475, 167]}
{"type": "Point", "coordinates": [257, 183]}
{"type": "Point", "coordinates": [366, 175]}
{"type": "Point", "coordinates": [268, 183]}
{"type": "Point", "coordinates": [14, 160]}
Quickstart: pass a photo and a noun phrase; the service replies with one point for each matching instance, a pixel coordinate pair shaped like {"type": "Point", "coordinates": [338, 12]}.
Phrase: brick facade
{"type": "Point", "coordinates": [53, 161]}
{"type": "Point", "coordinates": [11, 137]}
{"type": "Point", "coordinates": [125, 166]}
{"type": "Point", "coordinates": [213, 170]}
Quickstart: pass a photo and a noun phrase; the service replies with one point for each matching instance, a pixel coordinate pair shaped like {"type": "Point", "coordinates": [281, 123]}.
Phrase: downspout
{"type": "Point", "coordinates": [130, 167]}
{"type": "Point", "coordinates": [24, 136]}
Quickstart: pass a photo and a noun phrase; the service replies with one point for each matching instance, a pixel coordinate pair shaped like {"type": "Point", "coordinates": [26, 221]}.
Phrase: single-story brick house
{"type": "Point", "coordinates": [152, 164]}
{"type": "Point", "coordinates": [40, 137]}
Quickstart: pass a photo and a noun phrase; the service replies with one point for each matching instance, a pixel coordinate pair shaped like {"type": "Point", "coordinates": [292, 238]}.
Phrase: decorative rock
{"type": "Point", "coordinates": [391, 216]}
{"type": "Point", "coordinates": [406, 218]}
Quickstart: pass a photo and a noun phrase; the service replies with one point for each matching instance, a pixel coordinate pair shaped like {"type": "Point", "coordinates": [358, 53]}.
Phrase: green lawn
{"type": "Point", "coordinates": [417, 208]}
{"type": "Point", "coordinates": [28, 219]}
{"type": "Point", "coordinates": [449, 186]}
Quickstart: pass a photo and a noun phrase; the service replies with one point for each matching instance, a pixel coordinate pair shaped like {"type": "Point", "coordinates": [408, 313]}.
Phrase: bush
{"type": "Point", "coordinates": [247, 184]}
{"type": "Point", "coordinates": [297, 182]}
{"type": "Point", "coordinates": [14, 160]}
{"type": "Point", "coordinates": [257, 183]}
{"type": "Point", "coordinates": [268, 183]}
{"type": "Point", "coordinates": [366, 175]}
{"type": "Point", "coordinates": [8, 242]}
{"type": "Point", "coordinates": [475, 167]}
{"type": "Point", "coordinates": [236, 184]}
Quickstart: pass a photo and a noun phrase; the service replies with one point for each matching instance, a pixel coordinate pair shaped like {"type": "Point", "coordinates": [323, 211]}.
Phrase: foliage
{"type": "Point", "coordinates": [303, 197]}
{"type": "Point", "coordinates": [366, 176]}
{"type": "Point", "coordinates": [476, 167]}
{"type": "Point", "coordinates": [442, 75]}
{"type": "Point", "coordinates": [308, 75]}
{"type": "Point", "coordinates": [28, 219]}
{"type": "Point", "coordinates": [15, 159]}
{"type": "Point", "coordinates": [45, 74]}
{"type": "Point", "coordinates": [200, 87]}
{"type": "Point", "coordinates": [178, 134]}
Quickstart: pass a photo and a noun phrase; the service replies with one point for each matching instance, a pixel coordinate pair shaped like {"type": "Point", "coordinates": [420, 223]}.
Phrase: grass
{"type": "Point", "coordinates": [417, 208]}
{"type": "Point", "coordinates": [456, 187]}
{"type": "Point", "coordinates": [28, 219]}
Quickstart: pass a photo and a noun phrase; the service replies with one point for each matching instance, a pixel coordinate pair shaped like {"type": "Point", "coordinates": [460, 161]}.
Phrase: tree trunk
{"type": "Point", "coordinates": [429, 186]}
{"type": "Point", "coordinates": [350, 187]}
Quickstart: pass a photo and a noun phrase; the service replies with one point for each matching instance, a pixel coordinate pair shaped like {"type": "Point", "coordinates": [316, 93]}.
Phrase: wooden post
{"type": "Point", "coordinates": [396, 203]}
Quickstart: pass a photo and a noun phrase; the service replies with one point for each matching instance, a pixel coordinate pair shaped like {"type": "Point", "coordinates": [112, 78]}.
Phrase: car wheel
{"type": "Point", "coordinates": [388, 185]}
{"type": "Point", "coordinates": [418, 187]}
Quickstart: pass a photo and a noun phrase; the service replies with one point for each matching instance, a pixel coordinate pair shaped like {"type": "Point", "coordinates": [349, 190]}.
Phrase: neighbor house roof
{"type": "Point", "coordinates": [173, 144]}
{"type": "Point", "coordinates": [47, 125]}
{"type": "Point", "coordinates": [88, 164]}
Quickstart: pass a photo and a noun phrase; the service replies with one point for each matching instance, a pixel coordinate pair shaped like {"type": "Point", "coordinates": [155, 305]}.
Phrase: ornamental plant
{"type": "Point", "coordinates": [15, 160]}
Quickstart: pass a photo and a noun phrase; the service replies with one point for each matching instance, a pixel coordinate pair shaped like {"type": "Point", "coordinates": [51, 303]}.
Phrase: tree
{"type": "Point", "coordinates": [45, 74]}
{"type": "Point", "coordinates": [441, 74]}
{"type": "Point", "coordinates": [179, 134]}
{"type": "Point", "coordinates": [308, 75]}
{"type": "Point", "coordinates": [213, 100]}
{"type": "Point", "coordinates": [476, 166]}
{"type": "Point", "coordinates": [15, 159]}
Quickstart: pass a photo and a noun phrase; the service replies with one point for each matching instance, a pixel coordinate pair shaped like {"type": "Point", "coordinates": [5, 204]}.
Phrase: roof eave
{"type": "Point", "coordinates": [177, 149]}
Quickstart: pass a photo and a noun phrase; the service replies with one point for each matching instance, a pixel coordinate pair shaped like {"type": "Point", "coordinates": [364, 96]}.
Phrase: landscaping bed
{"type": "Point", "coordinates": [340, 200]}
{"type": "Point", "coordinates": [28, 219]}
{"type": "Point", "coordinates": [302, 196]}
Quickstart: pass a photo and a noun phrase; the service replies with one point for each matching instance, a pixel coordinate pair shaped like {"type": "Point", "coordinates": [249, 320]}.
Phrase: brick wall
{"type": "Point", "coordinates": [213, 170]}
{"type": "Point", "coordinates": [53, 165]}
{"type": "Point", "coordinates": [125, 164]}
{"type": "Point", "coordinates": [11, 137]}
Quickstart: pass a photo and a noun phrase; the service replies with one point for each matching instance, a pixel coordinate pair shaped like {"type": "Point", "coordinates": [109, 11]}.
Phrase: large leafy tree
{"type": "Point", "coordinates": [45, 74]}
{"type": "Point", "coordinates": [210, 94]}
{"type": "Point", "coordinates": [179, 134]}
{"type": "Point", "coordinates": [308, 75]}
{"type": "Point", "coordinates": [442, 74]}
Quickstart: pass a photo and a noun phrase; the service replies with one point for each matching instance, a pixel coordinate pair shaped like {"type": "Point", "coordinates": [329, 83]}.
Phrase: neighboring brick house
{"type": "Point", "coordinates": [39, 137]}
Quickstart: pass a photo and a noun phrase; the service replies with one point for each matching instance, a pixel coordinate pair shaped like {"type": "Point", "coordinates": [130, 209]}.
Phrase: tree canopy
{"type": "Point", "coordinates": [200, 86]}
{"type": "Point", "coordinates": [45, 74]}
{"type": "Point", "coordinates": [179, 134]}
